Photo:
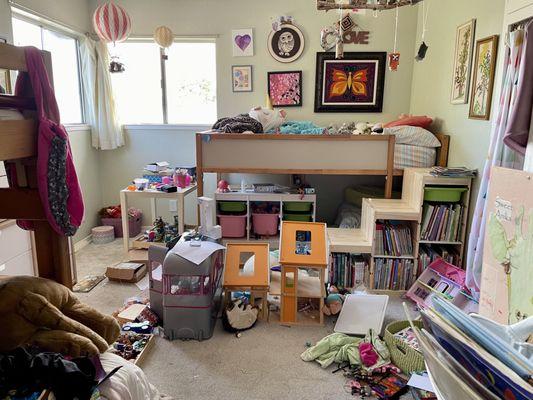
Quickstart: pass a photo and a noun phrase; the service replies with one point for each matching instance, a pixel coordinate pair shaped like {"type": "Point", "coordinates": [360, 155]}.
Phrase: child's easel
{"type": "Point", "coordinates": [251, 275]}
{"type": "Point", "coordinates": [302, 245]}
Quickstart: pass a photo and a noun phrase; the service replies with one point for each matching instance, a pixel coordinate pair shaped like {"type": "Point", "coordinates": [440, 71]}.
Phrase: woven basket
{"type": "Point", "coordinates": [402, 355]}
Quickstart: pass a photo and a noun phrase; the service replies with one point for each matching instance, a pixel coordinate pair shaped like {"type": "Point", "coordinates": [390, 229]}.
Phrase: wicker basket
{"type": "Point", "coordinates": [402, 355]}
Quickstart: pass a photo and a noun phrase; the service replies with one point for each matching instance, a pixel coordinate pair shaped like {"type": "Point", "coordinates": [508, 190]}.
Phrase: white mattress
{"type": "Point", "coordinates": [406, 156]}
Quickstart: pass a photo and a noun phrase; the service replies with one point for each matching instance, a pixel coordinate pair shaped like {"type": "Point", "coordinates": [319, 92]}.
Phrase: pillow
{"type": "Point", "coordinates": [413, 135]}
{"type": "Point", "coordinates": [421, 121]}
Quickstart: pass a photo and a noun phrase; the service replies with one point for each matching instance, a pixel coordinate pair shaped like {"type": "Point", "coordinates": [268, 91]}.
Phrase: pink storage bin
{"type": "Point", "coordinates": [265, 224]}
{"type": "Point", "coordinates": [116, 223]}
{"type": "Point", "coordinates": [233, 226]}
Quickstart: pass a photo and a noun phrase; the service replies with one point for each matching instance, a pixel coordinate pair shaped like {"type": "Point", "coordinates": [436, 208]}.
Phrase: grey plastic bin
{"type": "Point", "coordinates": [190, 295]}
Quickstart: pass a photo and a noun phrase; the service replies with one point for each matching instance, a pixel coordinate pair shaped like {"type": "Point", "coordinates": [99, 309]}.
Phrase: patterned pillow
{"type": "Point", "coordinates": [413, 135]}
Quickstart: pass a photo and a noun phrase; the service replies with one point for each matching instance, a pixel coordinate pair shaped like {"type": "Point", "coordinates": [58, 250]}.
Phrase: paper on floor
{"type": "Point", "coordinates": [421, 382]}
{"type": "Point", "coordinates": [195, 254]}
{"type": "Point", "coordinates": [143, 283]}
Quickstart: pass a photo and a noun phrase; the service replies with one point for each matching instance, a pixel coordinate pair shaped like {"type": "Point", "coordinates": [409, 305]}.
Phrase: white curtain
{"type": "Point", "coordinates": [499, 155]}
{"type": "Point", "coordinates": [98, 96]}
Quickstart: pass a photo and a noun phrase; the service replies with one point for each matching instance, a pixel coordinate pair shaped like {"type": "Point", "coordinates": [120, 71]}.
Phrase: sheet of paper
{"type": "Point", "coordinates": [157, 273]}
{"type": "Point", "coordinates": [143, 283]}
{"type": "Point", "coordinates": [421, 382]}
{"type": "Point", "coordinates": [195, 254]}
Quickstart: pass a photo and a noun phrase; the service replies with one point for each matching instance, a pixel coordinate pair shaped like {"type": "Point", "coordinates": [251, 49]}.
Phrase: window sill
{"type": "Point", "coordinates": [77, 127]}
{"type": "Point", "coordinates": [166, 127]}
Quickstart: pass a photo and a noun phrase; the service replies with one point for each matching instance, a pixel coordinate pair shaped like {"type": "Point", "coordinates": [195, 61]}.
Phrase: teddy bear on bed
{"type": "Point", "coordinates": [40, 312]}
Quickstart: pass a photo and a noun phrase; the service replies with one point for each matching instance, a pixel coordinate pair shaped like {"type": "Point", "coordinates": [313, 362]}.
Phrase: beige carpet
{"type": "Point", "coordinates": [262, 364]}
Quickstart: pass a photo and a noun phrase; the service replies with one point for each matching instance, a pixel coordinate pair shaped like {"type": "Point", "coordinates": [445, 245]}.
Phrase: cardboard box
{"type": "Point", "coordinates": [130, 313]}
{"type": "Point", "coordinates": [131, 272]}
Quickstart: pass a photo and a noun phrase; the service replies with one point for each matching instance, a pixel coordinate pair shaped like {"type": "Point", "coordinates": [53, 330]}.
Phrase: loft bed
{"type": "Point", "coordinates": [18, 146]}
{"type": "Point", "coordinates": [283, 154]}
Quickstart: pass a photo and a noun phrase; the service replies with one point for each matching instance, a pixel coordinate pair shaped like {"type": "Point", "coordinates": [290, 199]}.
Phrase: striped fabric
{"type": "Point", "coordinates": [413, 135]}
{"type": "Point", "coordinates": [111, 22]}
{"type": "Point", "coordinates": [406, 156]}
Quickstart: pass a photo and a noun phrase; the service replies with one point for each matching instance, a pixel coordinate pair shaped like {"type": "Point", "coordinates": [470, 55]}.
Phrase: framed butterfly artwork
{"type": "Point", "coordinates": [352, 84]}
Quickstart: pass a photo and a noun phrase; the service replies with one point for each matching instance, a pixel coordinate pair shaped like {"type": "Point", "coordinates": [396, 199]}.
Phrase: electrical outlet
{"type": "Point", "coordinates": [173, 205]}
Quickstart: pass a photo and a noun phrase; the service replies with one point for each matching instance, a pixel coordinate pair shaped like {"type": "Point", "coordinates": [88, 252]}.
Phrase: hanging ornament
{"type": "Point", "coordinates": [329, 36]}
{"type": "Point", "coordinates": [423, 46]}
{"type": "Point", "coordinates": [394, 57]}
{"type": "Point", "coordinates": [112, 24]}
{"type": "Point", "coordinates": [339, 47]}
{"type": "Point", "coordinates": [163, 36]}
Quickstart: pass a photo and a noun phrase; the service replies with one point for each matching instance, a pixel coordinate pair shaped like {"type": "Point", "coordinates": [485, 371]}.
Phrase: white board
{"type": "Point", "coordinates": [361, 312]}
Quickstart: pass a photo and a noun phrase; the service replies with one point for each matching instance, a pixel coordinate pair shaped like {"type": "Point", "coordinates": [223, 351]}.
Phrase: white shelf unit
{"type": "Point", "coordinates": [251, 197]}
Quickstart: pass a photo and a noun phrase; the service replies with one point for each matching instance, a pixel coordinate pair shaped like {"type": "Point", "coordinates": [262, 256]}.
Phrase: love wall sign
{"type": "Point", "coordinates": [350, 34]}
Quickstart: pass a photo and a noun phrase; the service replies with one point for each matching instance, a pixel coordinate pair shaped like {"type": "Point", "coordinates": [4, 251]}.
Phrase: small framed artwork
{"type": "Point", "coordinates": [242, 42]}
{"type": "Point", "coordinates": [242, 78]}
{"type": "Point", "coordinates": [352, 84]}
{"type": "Point", "coordinates": [483, 81]}
{"type": "Point", "coordinates": [286, 44]}
{"type": "Point", "coordinates": [285, 88]}
{"type": "Point", "coordinates": [462, 64]}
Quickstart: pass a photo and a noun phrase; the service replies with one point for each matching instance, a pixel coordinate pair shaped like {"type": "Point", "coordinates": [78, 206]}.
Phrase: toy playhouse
{"type": "Point", "coordinates": [303, 246]}
{"type": "Point", "coordinates": [183, 294]}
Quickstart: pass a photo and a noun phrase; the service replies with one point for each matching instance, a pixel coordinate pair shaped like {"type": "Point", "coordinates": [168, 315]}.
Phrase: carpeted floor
{"type": "Point", "coordinates": [264, 363]}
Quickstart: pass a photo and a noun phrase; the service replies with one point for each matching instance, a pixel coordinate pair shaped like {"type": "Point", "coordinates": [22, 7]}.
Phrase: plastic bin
{"type": "Point", "coordinates": [233, 226]}
{"type": "Point", "coordinates": [232, 206]}
{"type": "Point", "coordinates": [444, 194]}
{"type": "Point", "coordinates": [265, 224]}
{"type": "Point", "coordinates": [135, 225]}
{"type": "Point", "coordinates": [298, 217]}
{"type": "Point", "coordinates": [297, 206]}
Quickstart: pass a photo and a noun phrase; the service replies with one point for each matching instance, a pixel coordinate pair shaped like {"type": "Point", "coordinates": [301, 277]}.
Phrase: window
{"type": "Point", "coordinates": [64, 50]}
{"type": "Point", "coordinates": [190, 78]}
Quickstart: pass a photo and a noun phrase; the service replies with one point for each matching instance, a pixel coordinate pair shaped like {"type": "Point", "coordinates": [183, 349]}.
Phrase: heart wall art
{"type": "Point", "coordinates": [242, 42]}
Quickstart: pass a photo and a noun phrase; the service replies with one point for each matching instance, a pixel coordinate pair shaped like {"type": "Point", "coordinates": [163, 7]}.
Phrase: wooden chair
{"type": "Point", "coordinates": [18, 146]}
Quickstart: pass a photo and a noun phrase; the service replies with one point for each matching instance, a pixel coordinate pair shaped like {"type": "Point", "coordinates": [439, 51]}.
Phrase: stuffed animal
{"type": "Point", "coordinates": [334, 301]}
{"type": "Point", "coordinates": [41, 312]}
{"type": "Point", "coordinates": [270, 119]}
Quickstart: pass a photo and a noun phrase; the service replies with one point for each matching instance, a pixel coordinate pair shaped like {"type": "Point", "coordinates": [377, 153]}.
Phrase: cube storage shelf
{"type": "Point", "coordinates": [235, 214]}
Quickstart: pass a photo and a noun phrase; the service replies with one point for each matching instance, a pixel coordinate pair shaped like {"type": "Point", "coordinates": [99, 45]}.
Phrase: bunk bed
{"type": "Point", "coordinates": [18, 146]}
{"type": "Point", "coordinates": [302, 154]}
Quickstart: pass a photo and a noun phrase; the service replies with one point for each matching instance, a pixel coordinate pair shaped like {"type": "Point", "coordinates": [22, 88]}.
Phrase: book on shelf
{"type": "Point", "coordinates": [393, 239]}
{"type": "Point", "coordinates": [441, 222]}
{"type": "Point", "coordinates": [347, 270]}
{"type": "Point", "coordinates": [429, 253]}
{"type": "Point", "coordinates": [393, 274]}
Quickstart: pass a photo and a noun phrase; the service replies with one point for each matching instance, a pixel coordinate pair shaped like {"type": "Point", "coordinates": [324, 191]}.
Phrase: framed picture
{"type": "Point", "coordinates": [242, 78]}
{"type": "Point", "coordinates": [287, 44]}
{"type": "Point", "coordinates": [352, 84]}
{"type": "Point", "coordinates": [483, 81]}
{"type": "Point", "coordinates": [242, 42]}
{"type": "Point", "coordinates": [462, 64]}
{"type": "Point", "coordinates": [285, 88]}
{"type": "Point", "coordinates": [5, 82]}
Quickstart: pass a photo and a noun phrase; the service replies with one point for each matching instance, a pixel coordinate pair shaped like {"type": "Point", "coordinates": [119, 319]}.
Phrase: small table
{"type": "Point", "coordinates": [153, 195]}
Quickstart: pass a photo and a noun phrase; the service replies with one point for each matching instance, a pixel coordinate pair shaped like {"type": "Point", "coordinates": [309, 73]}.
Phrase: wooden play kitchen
{"type": "Point", "coordinates": [302, 245]}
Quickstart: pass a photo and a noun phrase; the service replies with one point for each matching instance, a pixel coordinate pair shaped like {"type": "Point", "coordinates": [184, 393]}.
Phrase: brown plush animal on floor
{"type": "Point", "coordinates": [43, 313]}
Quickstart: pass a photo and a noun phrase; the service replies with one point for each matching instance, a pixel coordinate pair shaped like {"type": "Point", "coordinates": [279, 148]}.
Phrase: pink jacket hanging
{"type": "Point", "coordinates": [57, 181]}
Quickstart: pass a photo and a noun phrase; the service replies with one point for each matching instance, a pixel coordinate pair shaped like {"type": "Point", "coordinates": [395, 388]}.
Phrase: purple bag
{"type": "Point", "coordinates": [57, 181]}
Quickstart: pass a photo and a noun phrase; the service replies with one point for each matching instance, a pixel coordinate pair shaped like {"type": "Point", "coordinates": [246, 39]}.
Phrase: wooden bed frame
{"type": "Point", "coordinates": [301, 154]}
{"type": "Point", "coordinates": [18, 144]}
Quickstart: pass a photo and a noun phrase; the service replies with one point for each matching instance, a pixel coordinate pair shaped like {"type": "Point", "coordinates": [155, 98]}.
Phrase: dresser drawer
{"type": "Point", "coordinates": [20, 265]}
{"type": "Point", "coordinates": [13, 242]}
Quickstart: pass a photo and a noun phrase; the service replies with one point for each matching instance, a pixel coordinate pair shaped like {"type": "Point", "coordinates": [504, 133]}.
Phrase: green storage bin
{"type": "Point", "coordinates": [297, 206]}
{"type": "Point", "coordinates": [443, 194]}
{"type": "Point", "coordinates": [298, 217]}
{"type": "Point", "coordinates": [232, 206]}
{"type": "Point", "coordinates": [402, 355]}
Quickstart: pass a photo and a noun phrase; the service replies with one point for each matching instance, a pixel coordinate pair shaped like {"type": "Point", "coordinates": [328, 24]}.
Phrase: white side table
{"type": "Point", "coordinates": [153, 195]}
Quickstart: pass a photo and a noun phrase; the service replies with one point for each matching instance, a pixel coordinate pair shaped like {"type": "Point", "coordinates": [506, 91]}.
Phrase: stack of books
{"type": "Point", "coordinates": [347, 270]}
{"type": "Point", "coordinates": [457, 172]}
{"type": "Point", "coordinates": [393, 240]}
{"type": "Point", "coordinates": [428, 254]}
{"type": "Point", "coordinates": [442, 223]}
{"type": "Point", "coordinates": [393, 274]}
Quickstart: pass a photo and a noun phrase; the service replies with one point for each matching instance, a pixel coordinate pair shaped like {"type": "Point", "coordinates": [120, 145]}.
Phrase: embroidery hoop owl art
{"type": "Point", "coordinates": [286, 44]}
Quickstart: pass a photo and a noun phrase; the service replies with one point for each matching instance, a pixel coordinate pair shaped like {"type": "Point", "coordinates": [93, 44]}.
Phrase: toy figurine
{"type": "Point", "coordinates": [334, 301]}
{"type": "Point", "coordinates": [159, 228]}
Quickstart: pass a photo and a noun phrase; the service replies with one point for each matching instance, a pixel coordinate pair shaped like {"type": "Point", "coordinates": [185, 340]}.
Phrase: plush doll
{"type": "Point", "coordinates": [40, 312]}
{"type": "Point", "coordinates": [270, 119]}
{"type": "Point", "coordinates": [334, 301]}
